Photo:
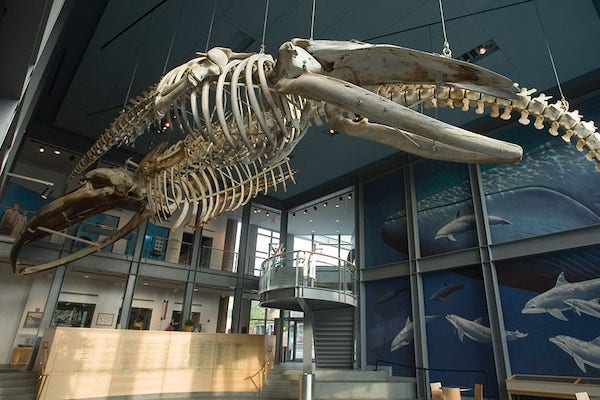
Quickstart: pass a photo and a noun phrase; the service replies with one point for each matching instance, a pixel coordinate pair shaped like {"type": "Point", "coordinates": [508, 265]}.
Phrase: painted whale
{"type": "Point", "coordinates": [446, 291]}
{"type": "Point", "coordinates": [474, 330]}
{"type": "Point", "coordinates": [589, 307]}
{"type": "Point", "coordinates": [553, 302]}
{"type": "Point", "coordinates": [582, 352]}
{"type": "Point", "coordinates": [464, 223]}
{"type": "Point", "coordinates": [404, 337]}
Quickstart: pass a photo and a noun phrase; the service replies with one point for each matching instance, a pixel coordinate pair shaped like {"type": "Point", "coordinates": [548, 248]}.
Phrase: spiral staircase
{"type": "Point", "coordinates": [324, 288]}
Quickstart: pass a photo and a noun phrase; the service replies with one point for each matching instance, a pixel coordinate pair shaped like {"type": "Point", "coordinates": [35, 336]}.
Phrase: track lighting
{"type": "Point", "coordinates": [47, 192]}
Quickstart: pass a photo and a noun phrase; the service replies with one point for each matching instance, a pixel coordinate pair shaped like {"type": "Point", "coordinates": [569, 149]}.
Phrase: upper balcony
{"type": "Point", "coordinates": [324, 281]}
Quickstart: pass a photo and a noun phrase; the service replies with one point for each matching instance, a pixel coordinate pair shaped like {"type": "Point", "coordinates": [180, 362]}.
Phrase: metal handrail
{"type": "Point", "coordinates": [306, 273]}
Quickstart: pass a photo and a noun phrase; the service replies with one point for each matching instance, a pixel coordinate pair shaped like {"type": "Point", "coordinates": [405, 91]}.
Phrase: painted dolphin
{"type": "Point", "coordinates": [476, 331]}
{"type": "Point", "coordinates": [465, 223]}
{"type": "Point", "coordinates": [391, 296]}
{"type": "Point", "coordinates": [553, 302]}
{"type": "Point", "coordinates": [404, 337]}
{"type": "Point", "coordinates": [582, 352]}
{"type": "Point", "coordinates": [589, 307]}
{"type": "Point", "coordinates": [446, 291]}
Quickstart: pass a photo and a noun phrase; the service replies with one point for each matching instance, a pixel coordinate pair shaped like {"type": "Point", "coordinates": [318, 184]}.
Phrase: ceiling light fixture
{"type": "Point", "coordinates": [479, 51]}
{"type": "Point", "coordinates": [325, 204]}
{"type": "Point", "coordinates": [305, 211]}
{"type": "Point", "coordinates": [47, 190]}
{"type": "Point", "coordinates": [41, 149]}
{"type": "Point", "coordinates": [315, 208]}
{"type": "Point", "coordinates": [57, 152]}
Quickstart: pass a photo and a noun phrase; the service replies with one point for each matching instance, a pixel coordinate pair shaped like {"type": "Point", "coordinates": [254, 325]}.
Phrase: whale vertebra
{"type": "Point", "coordinates": [553, 302]}
{"type": "Point", "coordinates": [476, 331]}
{"type": "Point", "coordinates": [582, 352]}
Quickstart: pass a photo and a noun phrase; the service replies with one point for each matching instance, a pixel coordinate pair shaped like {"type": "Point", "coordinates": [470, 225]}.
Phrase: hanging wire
{"type": "Point", "coordinates": [563, 100]}
{"type": "Point", "coordinates": [173, 38]}
{"type": "Point", "coordinates": [137, 61]}
{"type": "Point", "coordinates": [210, 28]}
{"type": "Point", "coordinates": [264, 32]}
{"type": "Point", "coordinates": [312, 19]}
{"type": "Point", "coordinates": [446, 51]}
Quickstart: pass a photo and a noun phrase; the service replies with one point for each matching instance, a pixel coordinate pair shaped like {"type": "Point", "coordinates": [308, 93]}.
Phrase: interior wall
{"type": "Point", "coordinates": [14, 292]}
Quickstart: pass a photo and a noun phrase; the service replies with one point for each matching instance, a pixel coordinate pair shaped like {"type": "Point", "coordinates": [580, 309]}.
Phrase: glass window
{"type": "Point", "coordinates": [459, 339]}
{"type": "Point", "coordinates": [385, 220]}
{"type": "Point", "coordinates": [389, 334]}
{"type": "Point", "coordinates": [444, 207]}
{"type": "Point", "coordinates": [554, 188]}
{"type": "Point", "coordinates": [552, 312]}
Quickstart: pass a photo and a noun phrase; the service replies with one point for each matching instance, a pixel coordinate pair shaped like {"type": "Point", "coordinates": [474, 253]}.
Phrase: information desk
{"type": "Point", "coordinates": [79, 363]}
{"type": "Point", "coordinates": [563, 387]}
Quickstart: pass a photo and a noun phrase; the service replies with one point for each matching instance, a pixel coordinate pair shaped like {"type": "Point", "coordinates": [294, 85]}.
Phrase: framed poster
{"type": "Point", "coordinates": [33, 319]}
{"type": "Point", "coordinates": [105, 319]}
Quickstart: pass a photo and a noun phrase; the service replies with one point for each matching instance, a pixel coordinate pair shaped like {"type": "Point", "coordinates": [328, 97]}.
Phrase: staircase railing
{"type": "Point", "coordinates": [302, 268]}
{"type": "Point", "coordinates": [261, 373]}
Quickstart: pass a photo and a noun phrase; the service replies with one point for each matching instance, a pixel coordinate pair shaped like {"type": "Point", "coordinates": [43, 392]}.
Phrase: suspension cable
{"type": "Point", "coordinates": [210, 28]}
{"type": "Point", "coordinates": [264, 32]}
{"type": "Point", "coordinates": [446, 51]}
{"type": "Point", "coordinates": [312, 19]}
{"type": "Point", "coordinates": [563, 100]}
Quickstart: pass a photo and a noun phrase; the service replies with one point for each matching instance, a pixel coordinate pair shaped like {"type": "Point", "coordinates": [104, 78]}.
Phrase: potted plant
{"type": "Point", "coordinates": [189, 325]}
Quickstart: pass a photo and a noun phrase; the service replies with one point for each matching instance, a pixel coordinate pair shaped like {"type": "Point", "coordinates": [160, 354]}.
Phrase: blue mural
{"type": "Point", "coordinates": [389, 328]}
{"type": "Point", "coordinates": [556, 298]}
{"type": "Point", "coordinates": [444, 207]}
{"type": "Point", "coordinates": [382, 197]}
{"type": "Point", "coordinates": [458, 334]}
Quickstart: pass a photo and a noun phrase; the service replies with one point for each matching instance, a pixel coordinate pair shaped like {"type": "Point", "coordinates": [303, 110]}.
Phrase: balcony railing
{"type": "Point", "coordinates": [308, 269]}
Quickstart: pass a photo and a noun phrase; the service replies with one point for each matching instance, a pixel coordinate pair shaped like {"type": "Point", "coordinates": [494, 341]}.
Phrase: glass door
{"type": "Point", "coordinates": [295, 346]}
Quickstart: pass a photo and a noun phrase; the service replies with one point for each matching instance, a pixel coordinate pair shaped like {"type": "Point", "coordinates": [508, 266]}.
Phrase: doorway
{"type": "Point", "coordinates": [295, 346]}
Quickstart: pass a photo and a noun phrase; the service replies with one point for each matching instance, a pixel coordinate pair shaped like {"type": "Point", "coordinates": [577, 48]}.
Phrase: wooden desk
{"type": "Point", "coordinates": [21, 355]}
{"type": "Point", "coordinates": [563, 387]}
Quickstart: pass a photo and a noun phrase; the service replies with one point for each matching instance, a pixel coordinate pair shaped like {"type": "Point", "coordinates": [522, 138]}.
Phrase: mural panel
{"type": "Point", "coordinates": [552, 189]}
{"type": "Point", "coordinates": [459, 340]}
{"type": "Point", "coordinates": [385, 220]}
{"type": "Point", "coordinates": [444, 207]}
{"type": "Point", "coordinates": [554, 297]}
{"type": "Point", "coordinates": [389, 332]}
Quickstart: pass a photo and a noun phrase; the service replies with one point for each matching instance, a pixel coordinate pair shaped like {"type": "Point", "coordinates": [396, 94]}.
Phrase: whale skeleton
{"type": "Point", "coordinates": [244, 113]}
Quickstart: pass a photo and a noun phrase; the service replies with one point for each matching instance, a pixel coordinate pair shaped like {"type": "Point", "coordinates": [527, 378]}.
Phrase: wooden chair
{"type": "Point", "coordinates": [582, 396]}
{"type": "Point", "coordinates": [478, 391]}
{"type": "Point", "coordinates": [436, 391]}
{"type": "Point", "coordinates": [451, 393]}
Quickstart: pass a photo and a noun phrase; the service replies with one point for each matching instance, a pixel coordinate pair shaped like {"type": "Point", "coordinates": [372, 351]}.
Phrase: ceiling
{"type": "Point", "coordinates": [113, 50]}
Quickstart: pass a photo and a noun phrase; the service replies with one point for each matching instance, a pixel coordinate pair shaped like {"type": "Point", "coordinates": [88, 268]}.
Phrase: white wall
{"type": "Point", "coordinates": [14, 292]}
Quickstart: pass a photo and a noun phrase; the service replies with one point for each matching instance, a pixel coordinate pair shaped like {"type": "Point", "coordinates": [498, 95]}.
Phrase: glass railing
{"type": "Point", "coordinates": [308, 269]}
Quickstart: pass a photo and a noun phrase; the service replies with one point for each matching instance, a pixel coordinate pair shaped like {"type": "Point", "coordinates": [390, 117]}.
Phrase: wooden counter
{"type": "Point", "coordinates": [20, 355]}
{"type": "Point", "coordinates": [82, 363]}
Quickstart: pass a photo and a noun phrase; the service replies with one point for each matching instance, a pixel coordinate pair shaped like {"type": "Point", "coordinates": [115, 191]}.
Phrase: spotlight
{"type": "Point", "coordinates": [337, 205]}
{"type": "Point", "coordinates": [57, 152]}
{"type": "Point", "coordinates": [305, 211]}
{"type": "Point", "coordinates": [325, 204]}
{"type": "Point", "coordinates": [293, 215]}
{"type": "Point", "coordinates": [349, 195]}
{"type": "Point", "coordinates": [481, 50]}
{"type": "Point", "coordinates": [47, 192]}
{"type": "Point", "coordinates": [41, 149]}
{"type": "Point", "coordinates": [315, 208]}
{"type": "Point", "coordinates": [267, 214]}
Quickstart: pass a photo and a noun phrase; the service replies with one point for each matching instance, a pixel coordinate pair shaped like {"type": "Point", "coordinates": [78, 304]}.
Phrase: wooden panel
{"type": "Point", "coordinates": [83, 363]}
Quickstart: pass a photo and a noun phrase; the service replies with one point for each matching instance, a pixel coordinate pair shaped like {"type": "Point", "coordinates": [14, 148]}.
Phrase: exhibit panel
{"type": "Point", "coordinates": [444, 207]}
{"type": "Point", "coordinates": [385, 220]}
{"type": "Point", "coordinates": [389, 325]}
{"type": "Point", "coordinates": [555, 298]}
{"type": "Point", "coordinates": [459, 339]}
